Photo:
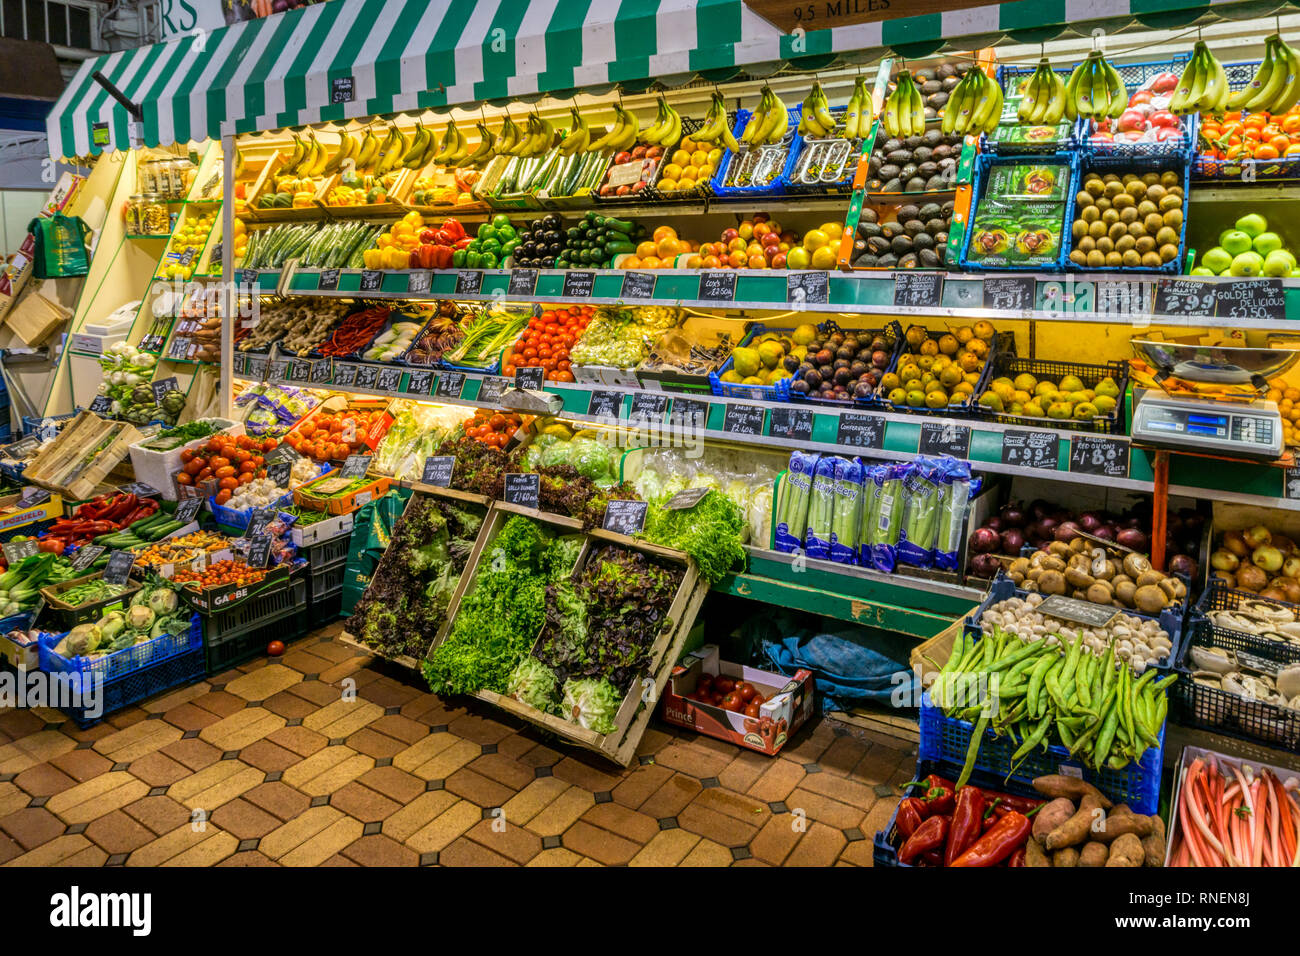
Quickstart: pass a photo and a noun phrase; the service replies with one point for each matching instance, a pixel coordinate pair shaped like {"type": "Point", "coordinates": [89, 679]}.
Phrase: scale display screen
{"type": "Point", "coordinates": [1252, 431]}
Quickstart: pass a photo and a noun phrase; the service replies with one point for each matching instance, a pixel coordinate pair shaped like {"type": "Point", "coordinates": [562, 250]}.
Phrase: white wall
{"type": "Point", "coordinates": [18, 207]}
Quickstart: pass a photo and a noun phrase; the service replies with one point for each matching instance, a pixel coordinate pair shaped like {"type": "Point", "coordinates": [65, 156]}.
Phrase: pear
{"type": "Point", "coordinates": [992, 400]}
{"type": "Point", "coordinates": [1071, 383]}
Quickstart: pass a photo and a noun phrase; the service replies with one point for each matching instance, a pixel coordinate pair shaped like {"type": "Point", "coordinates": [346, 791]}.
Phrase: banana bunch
{"type": "Point", "coordinates": [769, 122]}
{"type": "Point", "coordinates": [348, 147]}
{"type": "Point", "coordinates": [391, 151]}
{"type": "Point", "coordinates": [975, 105]}
{"type": "Point", "coordinates": [1275, 87]}
{"type": "Point", "coordinates": [578, 137]}
{"type": "Point", "coordinates": [904, 113]}
{"type": "Point", "coordinates": [1094, 90]}
{"type": "Point", "coordinates": [1043, 102]}
{"type": "Point", "coordinates": [619, 137]}
{"type": "Point", "coordinates": [537, 137]}
{"type": "Point", "coordinates": [509, 138]}
{"type": "Point", "coordinates": [857, 118]}
{"type": "Point", "coordinates": [666, 129]}
{"type": "Point", "coordinates": [309, 157]}
{"type": "Point", "coordinates": [716, 126]}
{"type": "Point", "coordinates": [413, 158]}
{"type": "Point", "coordinates": [815, 116]}
{"type": "Point", "coordinates": [1203, 85]}
{"type": "Point", "coordinates": [452, 149]}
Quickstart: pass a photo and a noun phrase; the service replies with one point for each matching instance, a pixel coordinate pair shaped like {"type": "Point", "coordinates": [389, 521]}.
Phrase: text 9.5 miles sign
{"type": "Point", "coordinates": [785, 15]}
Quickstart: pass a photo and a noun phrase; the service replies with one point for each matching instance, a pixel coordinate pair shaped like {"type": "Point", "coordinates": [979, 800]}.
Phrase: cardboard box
{"type": "Point", "coordinates": [215, 600]}
{"type": "Point", "coordinates": [35, 318]}
{"type": "Point", "coordinates": [332, 527]}
{"type": "Point", "coordinates": [789, 702]}
{"type": "Point", "coordinates": [19, 648]}
{"type": "Point", "coordinates": [67, 616]}
{"type": "Point", "coordinates": [13, 522]}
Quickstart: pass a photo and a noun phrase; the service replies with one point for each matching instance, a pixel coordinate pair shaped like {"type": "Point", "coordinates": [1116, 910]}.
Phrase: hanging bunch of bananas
{"type": "Point", "coordinates": [1203, 85]}
{"type": "Point", "coordinates": [619, 137]}
{"type": "Point", "coordinates": [508, 139]}
{"type": "Point", "coordinates": [309, 157]}
{"type": "Point", "coordinates": [769, 122]}
{"type": "Point", "coordinates": [1094, 90]}
{"type": "Point", "coordinates": [975, 105]}
{"type": "Point", "coordinates": [815, 116]}
{"type": "Point", "coordinates": [857, 118]}
{"type": "Point", "coordinates": [717, 128]}
{"type": "Point", "coordinates": [1043, 101]}
{"type": "Point", "coordinates": [904, 113]}
{"type": "Point", "coordinates": [666, 129]}
{"type": "Point", "coordinates": [1275, 87]}
{"type": "Point", "coordinates": [348, 146]}
{"type": "Point", "coordinates": [579, 136]}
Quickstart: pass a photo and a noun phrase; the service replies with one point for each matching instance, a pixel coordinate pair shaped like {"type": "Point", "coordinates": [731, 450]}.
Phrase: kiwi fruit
{"type": "Point", "coordinates": [1112, 189]}
{"type": "Point", "coordinates": [1125, 243]}
{"type": "Point", "coordinates": [1117, 229]}
{"type": "Point", "coordinates": [1174, 218]}
{"type": "Point", "coordinates": [1135, 189]}
{"type": "Point", "coordinates": [1079, 230]}
{"type": "Point", "coordinates": [1155, 192]}
{"type": "Point", "coordinates": [1090, 213]}
{"type": "Point", "coordinates": [1114, 260]}
{"type": "Point", "coordinates": [1123, 201]}
{"type": "Point", "coordinates": [1152, 260]}
{"type": "Point", "coordinates": [1079, 257]}
{"type": "Point", "coordinates": [1106, 244]}
{"type": "Point", "coordinates": [1145, 244]}
{"type": "Point", "coordinates": [1153, 223]}
{"type": "Point", "coordinates": [1097, 229]}
{"type": "Point", "coordinates": [1146, 207]}
{"type": "Point", "coordinates": [1083, 199]}
{"type": "Point", "coordinates": [1131, 258]}
{"type": "Point", "coordinates": [1137, 230]}
{"type": "Point", "coordinates": [1086, 245]}
{"type": "Point", "coordinates": [1168, 253]}
{"type": "Point", "coordinates": [1110, 216]}
{"type": "Point", "coordinates": [1103, 203]}
{"type": "Point", "coordinates": [1128, 215]}
{"type": "Point", "coordinates": [1096, 259]}
{"type": "Point", "coordinates": [1150, 178]}
{"type": "Point", "coordinates": [1166, 236]}
{"type": "Point", "coordinates": [1094, 187]}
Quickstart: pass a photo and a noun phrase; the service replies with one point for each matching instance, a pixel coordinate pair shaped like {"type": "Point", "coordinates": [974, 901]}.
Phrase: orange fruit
{"type": "Point", "coordinates": [647, 248]}
{"type": "Point", "coordinates": [664, 232]}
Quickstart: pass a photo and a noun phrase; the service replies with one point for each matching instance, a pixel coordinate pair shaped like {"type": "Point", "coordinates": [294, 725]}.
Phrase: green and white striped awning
{"type": "Point", "coordinates": [412, 54]}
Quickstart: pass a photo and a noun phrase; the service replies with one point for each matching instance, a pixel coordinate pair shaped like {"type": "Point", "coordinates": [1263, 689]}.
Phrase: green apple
{"type": "Point", "coordinates": [1246, 264]}
{"type": "Point", "coordinates": [1217, 260]}
{"type": "Point", "coordinates": [1293, 274]}
{"type": "Point", "coordinates": [1279, 262]}
{"type": "Point", "coordinates": [1235, 241]}
{"type": "Point", "coordinates": [1252, 224]}
{"type": "Point", "coordinates": [1203, 271]}
{"type": "Point", "coordinates": [1266, 242]}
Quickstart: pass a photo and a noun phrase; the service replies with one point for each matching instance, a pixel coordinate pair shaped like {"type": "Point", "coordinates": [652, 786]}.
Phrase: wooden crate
{"type": "Point", "coordinates": [58, 466]}
{"type": "Point", "coordinates": [929, 656]}
{"type": "Point", "coordinates": [638, 706]}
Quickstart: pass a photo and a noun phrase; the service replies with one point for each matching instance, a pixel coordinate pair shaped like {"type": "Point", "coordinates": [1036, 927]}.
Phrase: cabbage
{"type": "Point", "coordinates": [592, 458]}
{"type": "Point", "coordinates": [534, 684]}
{"type": "Point", "coordinates": [704, 479]}
{"type": "Point", "coordinates": [648, 485]}
{"type": "Point", "coordinates": [590, 703]}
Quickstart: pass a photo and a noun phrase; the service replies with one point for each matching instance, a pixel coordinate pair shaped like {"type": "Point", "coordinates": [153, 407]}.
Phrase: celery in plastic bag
{"type": "Point", "coordinates": [821, 510]}
{"type": "Point", "coordinates": [796, 495]}
{"type": "Point", "coordinates": [847, 517]}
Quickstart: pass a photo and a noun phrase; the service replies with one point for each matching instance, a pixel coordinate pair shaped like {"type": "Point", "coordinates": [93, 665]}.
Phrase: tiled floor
{"type": "Point", "coordinates": [268, 765]}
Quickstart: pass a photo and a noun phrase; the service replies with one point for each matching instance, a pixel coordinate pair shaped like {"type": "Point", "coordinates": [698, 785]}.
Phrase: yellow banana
{"type": "Point", "coordinates": [367, 150]}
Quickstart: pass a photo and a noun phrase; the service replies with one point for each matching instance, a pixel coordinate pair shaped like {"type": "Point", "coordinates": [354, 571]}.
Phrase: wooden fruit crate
{"type": "Point", "coordinates": [65, 464]}
{"type": "Point", "coordinates": [638, 706]}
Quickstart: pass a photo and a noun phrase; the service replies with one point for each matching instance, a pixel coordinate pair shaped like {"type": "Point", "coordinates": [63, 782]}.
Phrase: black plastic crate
{"type": "Point", "coordinates": [1003, 342]}
{"type": "Point", "coordinates": [1005, 364]}
{"type": "Point", "coordinates": [146, 682]}
{"type": "Point", "coordinates": [1219, 597]}
{"type": "Point", "coordinates": [327, 582]}
{"type": "Point", "coordinates": [1211, 708]}
{"type": "Point", "coordinates": [328, 553]}
{"type": "Point", "coordinates": [257, 610]}
{"type": "Point", "coordinates": [240, 648]}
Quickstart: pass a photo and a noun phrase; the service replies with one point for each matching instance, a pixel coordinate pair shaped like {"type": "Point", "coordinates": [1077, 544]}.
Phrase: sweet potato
{"type": "Point", "coordinates": [1051, 816]}
{"type": "Point", "coordinates": [1068, 856]}
{"type": "Point", "coordinates": [1093, 854]}
{"type": "Point", "coordinates": [1153, 844]}
{"type": "Point", "coordinates": [1122, 820]}
{"type": "Point", "coordinates": [1076, 829]}
{"type": "Point", "coordinates": [1035, 855]}
{"type": "Point", "coordinates": [1125, 851]}
{"type": "Point", "coordinates": [1059, 785]}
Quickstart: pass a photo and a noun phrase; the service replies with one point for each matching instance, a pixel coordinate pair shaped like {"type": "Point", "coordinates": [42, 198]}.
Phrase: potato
{"type": "Point", "coordinates": [1076, 829]}
{"type": "Point", "coordinates": [1068, 856]}
{"type": "Point", "coordinates": [1052, 816]}
{"type": "Point", "coordinates": [1125, 851]}
{"type": "Point", "coordinates": [1093, 854]}
{"type": "Point", "coordinates": [1122, 820]}
{"type": "Point", "coordinates": [1035, 855]}
{"type": "Point", "coordinates": [1153, 844]}
{"type": "Point", "coordinates": [1059, 785]}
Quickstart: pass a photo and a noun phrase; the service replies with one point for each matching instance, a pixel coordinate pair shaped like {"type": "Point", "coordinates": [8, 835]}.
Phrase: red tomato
{"type": "Point", "coordinates": [751, 710]}
{"type": "Point", "coordinates": [723, 685]}
{"type": "Point", "coordinates": [275, 648]}
{"type": "Point", "coordinates": [746, 690]}
{"type": "Point", "coordinates": [733, 703]}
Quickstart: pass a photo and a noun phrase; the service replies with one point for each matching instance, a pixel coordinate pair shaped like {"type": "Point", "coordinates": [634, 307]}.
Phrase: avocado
{"type": "Point", "coordinates": [889, 171]}
{"type": "Point", "coordinates": [891, 229]}
{"type": "Point", "coordinates": [908, 261]}
{"type": "Point", "coordinates": [918, 185]}
{"type": "Point", "coordinates": [899, 156]}
{"type": "Point", "coordinates": [931, 86]}
{"type": "Point", "coordinates": [868, 215]}
{"type": "Point", "coordinates": [941, 151]}
{"type": "Point", "coordinates": [923, 240]}
{"type": "Point", "coordinates": [928, 211]}
{"type": "Point", "coordinates": [937, 100]}
{"type": "Point", "coordinates": [922, 153]}
{"type": "Point", "coordinates": [878, 245]}
{"type": "Point", "coordinates": [927, 169]}
{"type": "Point", "coordinates": [901, 245]}
{"type": "Point", "coordinates": [935, 183]}
{"type": "Point", "coordinates": [908, 171]}
{"type": "Point", "coordinates": [948, 207]}
{"type": "Point", "coordinates": [936, 225]}
{"type": "Point", "coordinates": [887, 261]}
{"type": "Point", "coordinates": [866, 261]}
{"type": "Point", "coordinates": [868, 229]}
{"type": "Point", "coordinates": [933, 137]}
{"type": "Point", "coordinates": [908, 211]}
{"type": "Point", "coordinates": [913, 141]}
{"type": "Point", "coordinates": [893, 186]}
{"type": "Point", "coordinates": [913, 226]}
{"type": "Point", "coordinates": [927, 258]}
{"type": "Point", "coordinates": [890, 145]}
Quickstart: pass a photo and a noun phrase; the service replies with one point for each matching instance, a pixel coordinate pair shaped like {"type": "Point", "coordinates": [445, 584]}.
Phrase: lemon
{"type": "Point", "coordinates": [823, 257]}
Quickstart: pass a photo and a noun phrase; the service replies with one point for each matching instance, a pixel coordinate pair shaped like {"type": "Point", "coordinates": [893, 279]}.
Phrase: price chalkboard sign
{"type": "Point", "coordinates": [1030, 449]}
{"type": "Point", "coordinates": [438, 469]}
{"type": "Point", "coordinates": [450, 384]}
{"type": "Point", "coordinates": [259, 551]}
{"type": "Point", "coordinates": [328, 281]}
{"type": "Point", "coordinates": [187, 509]}
{"type": "Point", "coordinates": [388, 379]}
{"type": "Point", "coordinates": [523, 282]}
{"type": "Point", "coordinates": [258, 521]}
{"type": "Point", "coordinates": [1010, 293]}
{"type": "Point", "coordinates": [88, 554]}
{"type": "Point", "coordinates": [420, 382]}
{"type": "Point", "coordinates": [16, 551]}
{"type": "Point", "coordinates": [419, 282]}
{"type": "Point", "coordinates": [638, 285]}
{"type": "Point", "coordinates": [944, 438]}
{"type": "Point", "coordinates": [355, 466]}
{"type": "Point", "coordinates": [530, 376]}
{"type": "Point", "coordinates": [918, 290]}
{"type": "Point", "coordinates": [718, 286]}
{"type": "Point", "coordinates": [1077, 612]}
{"type": "Point", "coordinates": [366, 376]}
{"type": "Point", "coordinates": [345, 374]}
{"type": "Point", "coordinates": [342, 90]}
{"type": "Point", "coordinates": [278, 370]}
{"type": "Point", "coordinates": [491, 388]}
{"type": "Point", "coordinates": [744, 419]}
{"type": "Point", "coordinates": [278, 472]}
{"type": "Point", "coordinates": [249, 277]}
{"type": "Point", "coordinates": [604, 404]}
{"type": "Point", "coordinates": [1251, 299]}
{"type": "Point", "coordinates": [22, 449]}
{"type": "Point", "coordinates": [523, 490]}
{"type": "Point", "coordinates": [1291, 484]}
{"type": "Point", "coordinates": [140, 489]}
{"type": "Point", "coordinates": [689, 413]}
{"type": "Point", "coordinates": [625, 517]}
{"type": "Point", "coordinates": [101, 405]}
{"type": "Point", "coordinates": [860, 431]}
{"type": "Point", "coordinates": [299, 371]}
{"type": "Point", "coordinates": [283, 452]}
{"type": "Point", "coordinates": [322, 372]}
{"type": "Point", "coordinates": [793, 423]}
{"type": "Point", "coordinates": [578, 285]}
{"type": "Point", "coordinates": [688, 498]}
{"type": "Point", "coordinates": [371, 280]}
{"type": "Point", "coordinates": [808, 288]}
{"type": "Point", "coordinates": [648, 407]}
{"type": "Point", "coordinates": [1185, 297]}
{"type": "Point", "coordinates": [1097, 455]}
{"type": "Point", "coordinates": [118, 569]}
{"type": "Point", "coordinates": [31, 496]}
{"type": "Point", "coordinates": [469, 282]}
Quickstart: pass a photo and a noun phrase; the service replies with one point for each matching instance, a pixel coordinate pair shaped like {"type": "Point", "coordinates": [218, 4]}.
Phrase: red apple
{"type": "Point", "coordinates": [639, 152]}
{"type": "Point", "coordinates": [654, 152]}
{"type": "Point", "coordinates": [770, 240]}
{"type": "Point", "coordinates": [778, 261]}
{"type": "Point", "coordinates": [622, 190]}
{"type": "Point", "coordinates": [1165, 133]}
{"type": "Point", "coordinates": [1164, 118]}
{"type": "Point", "coordinates": [637, 187]}
{"type": "Point", "coordinates": [729, 234]}
{"type": "Point", "coordinates": [621, 158]}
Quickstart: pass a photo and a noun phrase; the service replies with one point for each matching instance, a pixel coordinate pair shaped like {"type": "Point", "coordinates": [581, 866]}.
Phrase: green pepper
{"type": "Point", "coordinates": [499, 221]}
{"type": "Point", "coordinates": [486, 231]}
{"type": "Point", "coordinates": [458, 259]}
{"type": "Point", "coordinates": [489, 260]}
{"type": "Point", "coordinates": [492, 245]}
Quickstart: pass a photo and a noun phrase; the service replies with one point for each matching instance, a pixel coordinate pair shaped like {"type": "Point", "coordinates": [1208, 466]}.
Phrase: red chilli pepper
{"type": "Point", "coordinates": [930, 835]}
{"type": "Point", "coordinates": [1017, 859]}
{"type": "Point", "coordinates": [911, 814]}
{"type": "Point", "coordinates": [1003, 839]}
{"type": "Point", "coordinates": [967, 820]}
{"type": "Point", "coordinates": [1019, 804]}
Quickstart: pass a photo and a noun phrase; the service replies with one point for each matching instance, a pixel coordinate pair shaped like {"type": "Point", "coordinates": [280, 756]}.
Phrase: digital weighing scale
{"type": "Point", "coordinates": [1219, 425]}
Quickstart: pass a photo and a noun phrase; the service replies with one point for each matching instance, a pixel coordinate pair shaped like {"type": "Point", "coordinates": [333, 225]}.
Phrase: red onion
{"type": "Point", "coordinates": [1089, 521]}
{"type": "Point", "coordinates": [1040, 509]}
{"type": "Point", "coordinates": [994, 523]}
{"type": "Point", "coordinates": [984, 540]}
{"type": "Point", "coordinates": [1013, 539]}
{"type": "Point", "coordinates": [1067, 531]}
{"type": "Point", "coordinates": [985, 566]}
{"type": "Point", "coordinates": [1183, 564]}
{"type": "Point", "coordinates": [1132, 538]}
{"type": "Point", "coordinates": [1013, 517]}
{"type": "Point", "coordinates": [1105, 532]}
{"type": "Point", "coordinates": [1047, 528]}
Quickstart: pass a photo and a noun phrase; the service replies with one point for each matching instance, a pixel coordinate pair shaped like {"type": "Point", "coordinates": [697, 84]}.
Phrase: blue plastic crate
{"type": "Point", "coordinates": [841, 186]}
{"type": "Point", "coordinates": [1206, 166]}
{"type": "Point", "coordinates": [780, 185]}
{"type": "Point", "coordinates": [1120, 163]}
{"type": "Point", "coordinates": [769, 393]}
{"type": "Point", "coordinates": [119, 663]}
{"type": "Point", "coordinates": [947, 739]}
{"type": "Point", "coordinates": [983, 163]}
{"type": "Point", "coordinates": [892, 332]}
{"type": "Point", "coordinates": [1009, 77]}
{"type": "Point", "coordinates": [32, 424]}
{"type": "Point", "coordinates": [234, 518]}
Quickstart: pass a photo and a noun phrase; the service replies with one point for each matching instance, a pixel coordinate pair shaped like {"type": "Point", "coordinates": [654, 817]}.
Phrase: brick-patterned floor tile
{"type": "Point", "coordinates": [389, 693]}
{"type": "Point", "coordinates": [514, 842]}
{"type": "Point", "coordinates": [158, 770]}
{"type": "Point", "coordinates": [417, 814]}
{"type": "Point", "coordinates": [778, 837]}
{"type": "Point", "coordinates": [843, 755]}
{"type": "Point", "coordinates": [532, 799]}
{"type": "Point", "coordinates": [12, 799]}
{"type": "Point", "coordinates": [447, 762]}
{"type": "Point", "coordinates": [19, 722]}
{"type": "Point", "coordinates": [478, 788]}
{"type": "Point", "coordinates": [298, 830]}
{"type": "Point", "coordinates": [136, 741]}
{"type": "Point", "coordinates": [693, 760]}
{"type": "Point", "coordinates": [288, 705]}
{"type": "Point", "coordinates": [393, 783]}
{"type": "Point", "coordinates": [616, 818]}
{"type": "Point", "coordinates": [809, 742]}
{"type": "Point", "coordinates": [245, 820]}
{"type": "Point", "coordinates": [819, 846]}
{"type": "Point", "coordinates": [555, 856]}
{"type": "Point", "coordinates": [639, 782]}
{"type": "Point", "coordinates": [401, 728]}
{"type": "Point", "coordinates": [842, 816]}
{"type": "Point", "coordinates": [119, 832]}
{"type": "Point", "coordinates": [708, 853]}
{"type": "Point", "coordinates": [300, 740]}
{"type": "Point", "coordinates": [264, 682]}
{"type": "Point", "coordinates": [653, 741]}
{"type": "Point", "coordinates": [481, 730]}
{"type": "Point", "coordinates": [504, 770]}
{"type": "Point", "coordinates": [717, 826]}
{"type": "Point", "coordinates": [666, 848]}
{"type": "Point", "coordinates": [878, 764]}
{"type": "Point", "coordinates": [279, 799]}
{"type": "Point", "coordinates": [241, 729]}
{"type": "Point", "coordinates": [268, 756]}
{"type": "Point", "coordinates": [96, 797]}
{"type": "Point", "coordinates": [744, 770]}
{"type": "Point", "coordinates": [81, 765]}
{"type": "Point", "coordinates": [434, 836]}
{"type": "Point", "coordinates": [599, 845]}
{"type": "Point", "coordinates": [248, 858]}
{"type": "Point", "coordinates": [374, 744]}
{"type": "Point", "coordinates": [54, 853]}
{"type": "Point", "coordinates": [379, 850]}
{"type": "Point", "coordinates": [217, 846]}
{"type": "Point", "coordinates": [858, 853]}
{"type": "Point", "coordinates": [580, 773]}
{"type": "Point", "coordinates": [189, 716]}
{"type": "Point", "coordinates": [161, 814]}
{"type": "Point", "coordinates": [44, 780]}
{"type": "Point", "coordinates": [840, 788]}
{"type": "Point", "coordinates": [736, 805]}
{"type": "Point", "coordinates": [777, 781]}
{"type": "Point", "coordinates": [220, 703]}
{"type": "Point", "coordinates": [215, 785]}
{"type": "Point", "coordinates": [193, 753]}
{"type": "Point", "coordinates": [315, 692]}
{"type": "Point", "coordinates": [561, 812]}
{"type": "Point", "coordinates": [32, 826]}
{"type": "Point", "coordinates": [670, 799]}
{"type": "Point", "coordinates": [466, 852]}
{"type": "Point", "coordinates": [362, 803]}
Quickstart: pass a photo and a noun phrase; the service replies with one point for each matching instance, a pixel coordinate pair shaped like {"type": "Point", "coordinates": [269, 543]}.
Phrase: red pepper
{"type": "Point", "coordinates": [928, 836]}
{"type": "Point", "coordinates": [1017, 859]}
{"type": "Point", "coordinates": [933, 858]}
{"type": "Point", "coordinates": [455, 229]}
{"type": "Point", "coordinates": [992, 816]}
{"type": "Point", "coordinates": [463, 243]}
{"type": "Point", "coordinates": [911, 812]}
{"type": "Point", "coordinates": [939, 800]}
{"type": "Point", "coordinates": [442, 257]}
{"type": "Point", "coordinates": [1003, 839]}
{"type": "Point", "coordinates": [51, 545]}
{"type": "Point", "coordinates": [1019, 804]}
{"type": "Point", "coordinates": [967, 819]}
